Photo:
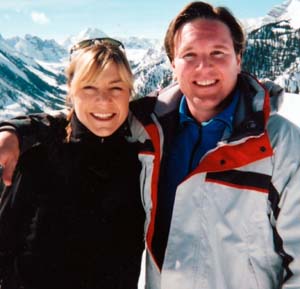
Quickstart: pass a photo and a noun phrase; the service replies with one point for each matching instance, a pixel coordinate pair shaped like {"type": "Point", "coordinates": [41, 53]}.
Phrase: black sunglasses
{"type": "Point", "coordinates": [89, 42]}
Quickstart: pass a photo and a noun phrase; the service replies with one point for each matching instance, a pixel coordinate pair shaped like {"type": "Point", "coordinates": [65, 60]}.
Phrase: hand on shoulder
{"type": "Point", "coordinates": [9, 155]}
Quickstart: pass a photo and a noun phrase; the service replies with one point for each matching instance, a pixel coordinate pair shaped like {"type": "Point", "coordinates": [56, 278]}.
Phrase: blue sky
{"type": "Point", "coordinates": [142, 18]}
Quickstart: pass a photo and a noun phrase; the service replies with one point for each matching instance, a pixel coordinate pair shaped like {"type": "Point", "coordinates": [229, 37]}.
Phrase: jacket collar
{"type": "Point", "coordinates": [253, 108]}
{"type": "Point", "coordinates": [168, 99]}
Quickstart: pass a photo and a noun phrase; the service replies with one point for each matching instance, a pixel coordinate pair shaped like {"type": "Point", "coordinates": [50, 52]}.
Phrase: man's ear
{"type": "Point", "coordinates": [239, 61]}
{"type": "Point", "coordinates": [173, 71]}
{"type": "Point", "coordinates": [172, 64]}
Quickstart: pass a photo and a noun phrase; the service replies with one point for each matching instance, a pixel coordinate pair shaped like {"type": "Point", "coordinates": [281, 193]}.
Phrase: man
{"type": "Point", "coordinates": [222, 177]}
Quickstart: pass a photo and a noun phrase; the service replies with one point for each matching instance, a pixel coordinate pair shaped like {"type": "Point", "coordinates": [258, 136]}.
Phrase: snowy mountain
{"type": "Point", "coordinates": [32, 70]}
{"type": "Point", "coordinates": [85, 34]}
{"type": "Point", "coordinates": [32, 77]}
{"type": "Point", "coordinates": [273, 51]}
{"type": "Point", "coordinates": [35, 47]}
{"type": "Point", "coordinates": [152, 72]}
{"type": "Point", "coordinates": [288, 10]}
{"type": "Point", "coordinates": [273, 45]}
{"type": "Point", "coordinates": [27, 85]}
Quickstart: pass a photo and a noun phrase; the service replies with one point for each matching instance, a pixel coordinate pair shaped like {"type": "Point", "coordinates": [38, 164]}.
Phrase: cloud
{"type": "Point", "coordinates": [39, 17]}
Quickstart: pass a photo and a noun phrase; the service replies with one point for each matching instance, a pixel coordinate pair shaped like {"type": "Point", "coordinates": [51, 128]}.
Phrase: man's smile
{"type": "Point", "coordinates": [206, 83]}
{"type": "Point", "coordinates": [103, 116]}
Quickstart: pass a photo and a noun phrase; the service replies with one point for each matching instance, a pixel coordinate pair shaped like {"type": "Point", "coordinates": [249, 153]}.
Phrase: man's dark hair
{"type": "Point", "coordinates": [204, 10]}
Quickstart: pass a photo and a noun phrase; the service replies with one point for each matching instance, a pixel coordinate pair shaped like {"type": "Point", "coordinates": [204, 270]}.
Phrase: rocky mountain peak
{"type": "Point", "coordinates": [288, 10]}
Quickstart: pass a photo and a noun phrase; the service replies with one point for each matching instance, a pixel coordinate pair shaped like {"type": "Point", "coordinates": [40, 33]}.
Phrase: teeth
{"type": "Point", "coordinates": [206, 82]}
{"type": "Point", "coordinates": [103, 115]}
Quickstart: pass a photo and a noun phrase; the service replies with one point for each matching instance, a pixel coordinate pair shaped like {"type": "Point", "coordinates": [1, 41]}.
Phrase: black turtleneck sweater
{"type": "Point", "coordinates": [76, 213]}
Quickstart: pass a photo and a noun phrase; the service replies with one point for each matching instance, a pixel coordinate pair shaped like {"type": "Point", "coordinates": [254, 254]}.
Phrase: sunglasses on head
{"type": "Point", "coordinates": [93, 41]}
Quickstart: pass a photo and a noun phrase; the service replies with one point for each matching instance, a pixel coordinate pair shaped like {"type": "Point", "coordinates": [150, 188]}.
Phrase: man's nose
{"type": "Point", "coordinates": [203, 62]}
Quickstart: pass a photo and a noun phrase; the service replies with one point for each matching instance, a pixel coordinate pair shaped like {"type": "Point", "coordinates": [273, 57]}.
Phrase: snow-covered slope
{"type": "Point", "coordinates": [290, 107]}
{"type": "Point", "coordinates": [273, 51]}
{"type": "Point", "coordinates": [36, 48]}
{"type": "Point", "coordinates": [32, 70]}
{"type": "Point", "coordinates": [84, 34]}
{"type": "Point", "coordinates": [27, 85]}
{"type": "Point", "coordinates": [288, 10]}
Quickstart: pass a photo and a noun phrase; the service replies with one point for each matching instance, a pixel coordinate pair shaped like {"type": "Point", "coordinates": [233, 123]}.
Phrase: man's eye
{"type": "Point", "coordinates": [189, 56]}
{"type": "Point", "coordinates": [218, 53]}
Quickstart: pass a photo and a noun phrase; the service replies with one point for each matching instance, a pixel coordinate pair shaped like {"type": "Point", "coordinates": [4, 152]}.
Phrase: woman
{"type": "Point", "coordinates": [73, 217]}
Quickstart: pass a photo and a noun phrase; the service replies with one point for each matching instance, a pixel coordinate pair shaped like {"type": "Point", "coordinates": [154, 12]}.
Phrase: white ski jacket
{"type": "Point", "coordinates": [236, 217]}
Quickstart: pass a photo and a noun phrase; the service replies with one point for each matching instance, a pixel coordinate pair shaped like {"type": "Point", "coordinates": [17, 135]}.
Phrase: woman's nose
{"type": "Point", "coordinates": [102, 96]}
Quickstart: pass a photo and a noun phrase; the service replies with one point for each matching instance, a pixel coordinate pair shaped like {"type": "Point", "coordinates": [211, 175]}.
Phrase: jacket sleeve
{"type": "Point", "coordinates": [18, 205]}
{"type": "Point", "coordinates": [38, 128]}
{"type": "Point", "coordinates": [288, 228]}
{"type": "Point", "coordinates": [9, 234]}
{"type": "Point", "coordinates": [285, 198]}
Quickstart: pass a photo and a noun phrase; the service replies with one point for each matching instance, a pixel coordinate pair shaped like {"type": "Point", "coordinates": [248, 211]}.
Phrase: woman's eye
{"type": "Point", "coordinates": [117, 88]}
{"type": "Point", "coordinates": [89, 89]}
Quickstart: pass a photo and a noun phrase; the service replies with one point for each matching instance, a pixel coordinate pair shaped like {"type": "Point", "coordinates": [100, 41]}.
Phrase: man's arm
{"type": "Point", "coordinates": [284, 197]}
{"type": "Point", "coordinates": [9, 155]}
{"type": "Point", "coordinates": [19, 134]}
{"type": "Point", "coordinates": [288, 227]}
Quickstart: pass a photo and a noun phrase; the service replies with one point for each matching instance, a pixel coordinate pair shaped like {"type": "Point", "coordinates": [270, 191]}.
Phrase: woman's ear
{"type": "Point", "coordinates": [69, 99]}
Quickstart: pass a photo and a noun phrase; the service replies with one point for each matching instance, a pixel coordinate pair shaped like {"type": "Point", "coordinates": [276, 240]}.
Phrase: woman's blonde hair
{"type": "Point", "coordinates": [87, 64]}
